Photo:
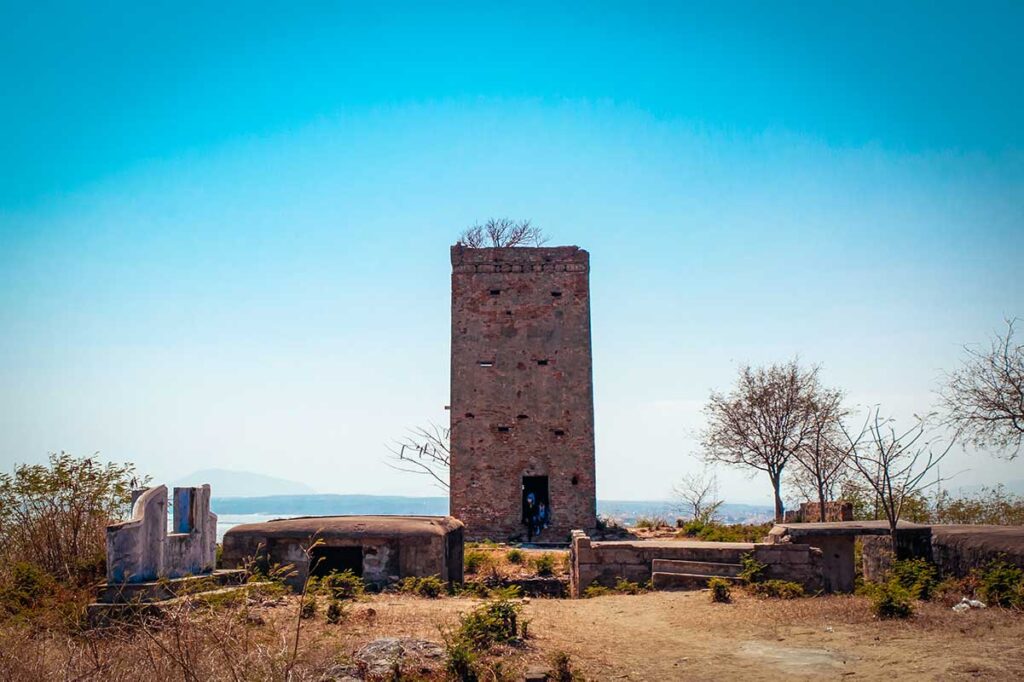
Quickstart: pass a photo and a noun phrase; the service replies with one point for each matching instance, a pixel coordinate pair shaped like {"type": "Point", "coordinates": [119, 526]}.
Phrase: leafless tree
{"type": "Point", "coordinates": [503, 232]}
{"type": "Point", "coordinates": [984, 399]}
{"type": "Point", "coordinates": [764, 420]}
{"type": "Point", "coordinates": [698, 495]}
{"type": "Point", "coordinates": [822, 457]}
{"type": "Point", "coordinates": [425, 451]}
{"type": "Point", "coordinates": [894, 463]}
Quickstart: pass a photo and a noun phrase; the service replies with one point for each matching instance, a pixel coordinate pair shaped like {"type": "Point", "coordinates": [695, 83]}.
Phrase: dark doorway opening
{"type": "Point", "coordinates": [536, 505]}
{"type": "Point", "coordinates": [325, 560]}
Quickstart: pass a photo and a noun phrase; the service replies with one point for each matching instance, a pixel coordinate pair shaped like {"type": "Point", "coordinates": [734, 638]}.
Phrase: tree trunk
{"type": "Point", "coordinates": [780, 512]}
{"type": "Point", "coordinates": [821, 503]}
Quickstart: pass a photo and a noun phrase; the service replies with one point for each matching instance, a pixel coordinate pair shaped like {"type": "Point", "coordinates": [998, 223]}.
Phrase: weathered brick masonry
{"type": "Point", "coordinates": [522, 390]}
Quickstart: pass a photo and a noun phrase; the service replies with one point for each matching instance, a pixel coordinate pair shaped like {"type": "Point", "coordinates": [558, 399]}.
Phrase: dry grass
{"type": "Point", "coordinates": [497, 564]}
{"type": "Point", "coordinates": [645, 637]}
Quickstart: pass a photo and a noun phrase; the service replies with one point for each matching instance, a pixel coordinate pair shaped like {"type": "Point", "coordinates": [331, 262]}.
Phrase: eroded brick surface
{"type": "Point", "coordinates": [522, 390]}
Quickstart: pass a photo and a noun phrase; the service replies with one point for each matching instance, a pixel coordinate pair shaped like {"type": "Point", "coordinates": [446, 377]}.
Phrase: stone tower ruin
{"type": "Point", "coordinates": [522, 396]}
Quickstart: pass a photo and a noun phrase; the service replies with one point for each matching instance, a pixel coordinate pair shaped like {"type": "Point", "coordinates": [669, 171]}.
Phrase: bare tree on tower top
{"type": "Point", "coordinates": [763, 421]}
{"type": "Point", "coordinates": [504, 233]}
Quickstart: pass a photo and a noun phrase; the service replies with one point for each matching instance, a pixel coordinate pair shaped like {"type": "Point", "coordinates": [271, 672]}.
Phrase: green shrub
{"type": "Point", "coordinates": [890, 600]}
{"type": "Point", "coordinates": [917, 575]}
{"type": "Point", "coordinates": [474, 560]}
{"type": "Point", "coordinates": [341, 585]}
{"type": "Point", "coordinates": [596, 590]}
{"type": "Point", "coordinates": [561, 668]}
{"type": "Point", "coordinates": [710, 531]}
{"type": "Point", "coordinates": [27, 586]}
{"type": "Point", "coordinates": [429, 586]}
{"type": "Point", "coordinates": [777, 589]}
{"type": "Point", "coordinates": [515, 556]}
{"type": "Point", "coordinates": [720, 590]}
{"type": "Point", "coordinates": [471, 589]}
{"type": "Point", "coordinates": [493, 622]}
{"type": "Point", "coordinates": [55, 515]}
{"type": "Point", "coordinates": [460, 659]}
{"type": "Point", "coordinates": [1001, 584]}
{"type": "Point", "coordinates": [545, 564]}
{"type": "Point", "coordinates": [753, 570]}
{"type": "Point", "coordinates": [337, 611]}
{"type": "Point", "coordinates": [308, 608]}
{"type": "Point", "coordinates": [508, 592]}
{"type": "Point", "coordinates": [623, 586]}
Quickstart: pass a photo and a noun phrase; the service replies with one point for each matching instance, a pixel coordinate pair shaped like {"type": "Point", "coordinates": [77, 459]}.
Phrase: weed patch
{"type": "Point", "coordinates": [777, 589]}
{"type": "Point", "coordinates": [341, 585]}
{"type": "Point", "coordinates": [890, 600]}
{"type": "Point", "coordinates": [720, 590]}
{"type": "Point", "coordinates": [430, 586]}
{"type": "Point", "coordinates": [918, 576]}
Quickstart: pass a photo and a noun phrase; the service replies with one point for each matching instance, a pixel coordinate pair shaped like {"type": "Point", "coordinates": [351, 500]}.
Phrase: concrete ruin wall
{"type": "Point", "coordinates": [141, 550]}
{"type": "Point", "coordinates": [809, 512]}
{"type": "Point", "coordinates": [521, 388]}
{"type": "Point", "coordinates": [385, 558]}
{"type": "Point", "coordinates": [955, 549]}
{"type": "Point", "coordinates": [604, 563]}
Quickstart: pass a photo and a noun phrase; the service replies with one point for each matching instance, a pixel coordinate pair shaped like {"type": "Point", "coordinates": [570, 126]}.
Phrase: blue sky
{"type": "Point", "coordinates": [224, 230]}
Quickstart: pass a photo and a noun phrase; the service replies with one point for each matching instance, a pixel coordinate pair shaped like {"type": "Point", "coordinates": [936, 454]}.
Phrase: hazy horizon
{"type": "Point", "coordinates": [224, 233]}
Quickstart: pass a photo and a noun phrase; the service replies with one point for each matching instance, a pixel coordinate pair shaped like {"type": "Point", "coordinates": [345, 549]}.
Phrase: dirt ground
{"type": "Point", "coordinates": [683, 636]}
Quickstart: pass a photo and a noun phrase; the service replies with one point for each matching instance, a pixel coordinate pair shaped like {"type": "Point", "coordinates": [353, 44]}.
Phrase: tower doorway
{"type": "Point", "coordinates": [536, 505]}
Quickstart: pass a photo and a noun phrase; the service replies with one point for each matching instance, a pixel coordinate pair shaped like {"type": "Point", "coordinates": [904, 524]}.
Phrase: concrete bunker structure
{"type": "Point", "coordinates": [379, 549]}
{"type": "Point", "coordinates": [836, 540]}
{"type": "Point", "coordinates": [140, 549]}
{"type": "Point", "coordinates": [683, 564]}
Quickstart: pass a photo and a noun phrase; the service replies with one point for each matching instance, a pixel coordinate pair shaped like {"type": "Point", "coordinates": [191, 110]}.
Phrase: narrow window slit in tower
{"type": "Point", "coordinates": [558, 432]}
{"type": "Point", "coordinates": [470, 415]}
{"type": "Point", "coordinates": [542, 362]}
{"type": "Point", "coordinates": [504, 429]}
{"type": "Point", "coordinates": [508, 312]}
{"type": "Point", "coordinates": [556, 294]}
{"type": "Point", "coordinates": [486, 363]}
{"type": "Point", "coordinates": [495, 292]}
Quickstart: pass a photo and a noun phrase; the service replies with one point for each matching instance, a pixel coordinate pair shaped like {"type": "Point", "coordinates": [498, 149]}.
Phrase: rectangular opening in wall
{"type": "Point", "coordinates": [558, 432]}
{"type": "Point", "coordinates": [486, 363]}
{"type": "Point", "coordinates": [495, 292]}
{"type": "Point", "coordinates": [556, 294]}
{"type": "Point", "coordinates": [324, 560]}
{"type": "Point", "coordinates": [504, 429]}
{"type": "Point", "coordinates": [536, 504]}
{"type": "Point", "coordinates": [542, 362]}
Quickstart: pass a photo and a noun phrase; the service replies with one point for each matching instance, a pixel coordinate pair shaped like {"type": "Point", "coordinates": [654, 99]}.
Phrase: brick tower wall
{"type": "Point", "coordinates": [522, 396]}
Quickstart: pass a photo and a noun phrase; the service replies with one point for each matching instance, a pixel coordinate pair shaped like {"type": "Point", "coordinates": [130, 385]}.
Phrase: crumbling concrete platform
{"type": "Point", "coordinates": [379, 549]}
{"type": "Point", "coordinates": [686, 564]}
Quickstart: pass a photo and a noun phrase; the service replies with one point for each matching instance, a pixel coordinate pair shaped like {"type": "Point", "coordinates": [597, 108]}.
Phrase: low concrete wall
{"type": "Point", "coordinates": [958, 549]}
{"type": "Point", "coordinates": [604, 563]}
{"type": "Point", "coordinates": [955, 549]}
